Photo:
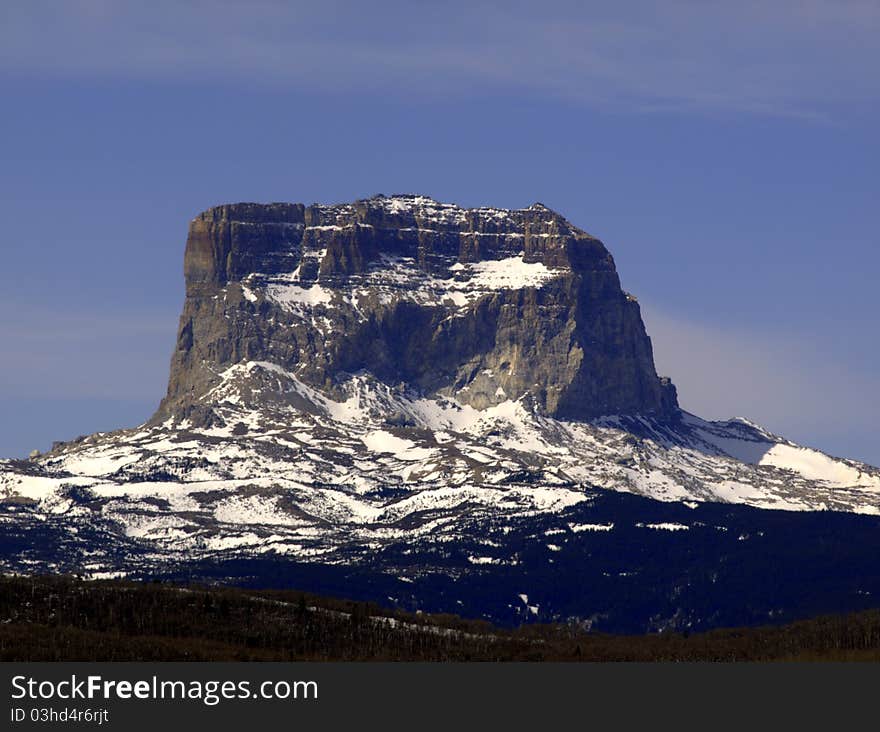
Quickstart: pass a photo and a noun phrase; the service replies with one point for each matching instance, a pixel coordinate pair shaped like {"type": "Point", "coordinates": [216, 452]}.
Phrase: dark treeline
{"type": "Point", "coordinates": [65, 619]}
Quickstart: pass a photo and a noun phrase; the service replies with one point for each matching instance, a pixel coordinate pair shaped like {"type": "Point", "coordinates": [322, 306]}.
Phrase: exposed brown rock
{"type": "Point", "coordinates": [368, 282]}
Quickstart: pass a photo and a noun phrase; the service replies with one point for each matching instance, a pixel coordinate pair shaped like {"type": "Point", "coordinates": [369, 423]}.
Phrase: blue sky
{"type": "Point", "coordinates": [727, 154]}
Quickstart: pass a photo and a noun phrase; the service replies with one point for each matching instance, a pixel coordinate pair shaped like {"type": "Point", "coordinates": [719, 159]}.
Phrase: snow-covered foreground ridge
{"type": "Point", "coordinates": [293, 471]}
{"type": "Point", "coordinates": [398, 372]}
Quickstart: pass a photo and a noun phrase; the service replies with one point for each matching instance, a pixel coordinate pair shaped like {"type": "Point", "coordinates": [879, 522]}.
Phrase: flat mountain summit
{"type": "Point", "coordinates": [481, 305]}
{"type": "Point", "coordinates": [427, 393]}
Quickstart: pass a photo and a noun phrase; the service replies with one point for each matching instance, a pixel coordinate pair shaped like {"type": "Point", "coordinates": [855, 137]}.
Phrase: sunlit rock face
{"type": "Point", "coordinates": [441, 408]}
{"type": "Point", "coordinates": [482, 305]}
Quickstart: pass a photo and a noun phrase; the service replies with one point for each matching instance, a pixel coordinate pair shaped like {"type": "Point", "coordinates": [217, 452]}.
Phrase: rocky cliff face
{"type": "Point", "coordinates": [481, 305]}
{"type": "Point", "coordinates": [399, 398]}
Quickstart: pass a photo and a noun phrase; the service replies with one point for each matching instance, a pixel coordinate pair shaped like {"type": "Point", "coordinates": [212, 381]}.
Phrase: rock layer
{"type": "Point", "coordinates": [484, 305]}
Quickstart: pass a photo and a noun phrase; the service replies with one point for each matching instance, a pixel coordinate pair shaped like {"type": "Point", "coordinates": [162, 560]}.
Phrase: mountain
{"type": "Point", "coordinates": [483, 306]}
{"type": "Point", "coordinates": [414, 403]}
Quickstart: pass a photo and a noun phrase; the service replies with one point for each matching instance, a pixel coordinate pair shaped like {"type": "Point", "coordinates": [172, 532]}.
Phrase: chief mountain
{"type": "Point", "coordinates": [442, 409]}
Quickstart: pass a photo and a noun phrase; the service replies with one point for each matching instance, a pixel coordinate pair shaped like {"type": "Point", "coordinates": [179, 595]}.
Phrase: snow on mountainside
{"type": "Point", "coordinates": [317, 475]}
{"type": "Point", "coordinates": [351, 376]}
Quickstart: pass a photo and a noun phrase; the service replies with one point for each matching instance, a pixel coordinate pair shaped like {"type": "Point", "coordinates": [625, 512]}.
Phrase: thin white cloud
{"type": "Point", "coordinates": [794, 384]}
{"type": "Point", "coordinates": [784, 58]}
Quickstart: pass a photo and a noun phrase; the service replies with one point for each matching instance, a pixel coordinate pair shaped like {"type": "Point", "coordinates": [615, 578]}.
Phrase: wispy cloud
{"type": "Point", "coordinates": [783, 58]}
{"type": "Point", "coordinates": [792, 383]}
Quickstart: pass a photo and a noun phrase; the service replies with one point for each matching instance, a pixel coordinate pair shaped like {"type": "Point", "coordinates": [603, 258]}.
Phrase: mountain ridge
{"type": "Point", "coordinates": [449, 398]}
{"type": "Point", "coordinates": [419, 292]}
